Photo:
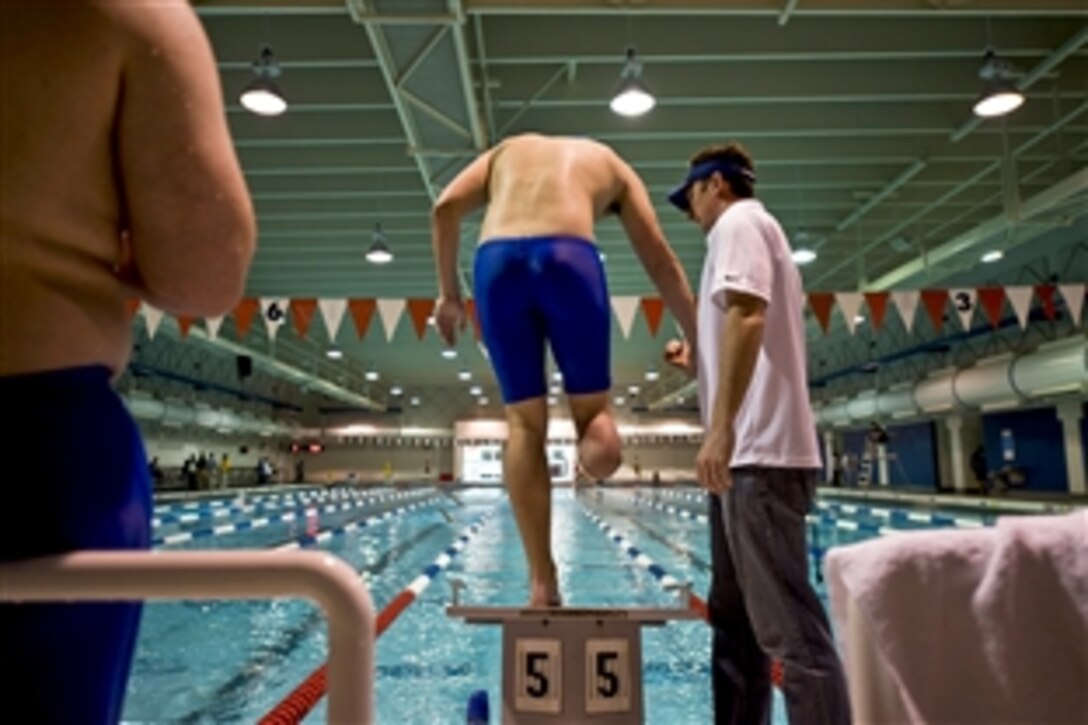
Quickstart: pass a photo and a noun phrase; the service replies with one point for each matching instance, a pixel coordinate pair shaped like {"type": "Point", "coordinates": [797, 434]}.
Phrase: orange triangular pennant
{"type": "Point", "coordinates": [361, 312]}
{"type": "Point", "coordinates": [184, 323]}
{"type": "Point", "coordinates": [243, 315]}
{"type": "Point", "coordinates": [470, 310]}
{"type": "Point", "coordinates": [419, 309]}
{"type": "Point", "coordinates": [993, 302]}
{"type": "Point", "coordinates": [132, 305]}
{"type": "Point", "coordinates": [1046, 294]}
{"type": "Point", "coordinates": [653, 308]}
{"type": "Point", "coordinates": [302, 313]}
{"type": "Point", "coordinates": [878, 307]}
{"type": "Point", "coordinates": [821, 302]}
{"type": "Point", "coordinates": [935, 301]}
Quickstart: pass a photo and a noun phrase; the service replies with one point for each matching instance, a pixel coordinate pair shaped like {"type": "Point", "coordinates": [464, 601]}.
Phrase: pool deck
{"type": "Point", "coordinates": [1015, 503]}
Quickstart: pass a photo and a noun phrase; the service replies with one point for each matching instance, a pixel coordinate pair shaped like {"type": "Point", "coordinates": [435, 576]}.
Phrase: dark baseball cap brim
{"type": "Point", "coordinates": [678, 197]}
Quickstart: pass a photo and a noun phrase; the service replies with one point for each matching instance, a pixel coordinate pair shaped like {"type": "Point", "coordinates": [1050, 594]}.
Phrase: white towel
{"type": "Point", "coordinates": [980, 626]}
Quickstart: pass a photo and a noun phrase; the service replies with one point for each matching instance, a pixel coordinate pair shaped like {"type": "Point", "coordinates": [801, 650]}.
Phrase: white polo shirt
{"type": "Point", "coordinates": [747, 252]}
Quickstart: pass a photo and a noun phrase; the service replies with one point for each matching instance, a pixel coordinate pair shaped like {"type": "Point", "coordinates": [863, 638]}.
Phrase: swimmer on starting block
{"type": "Point", "coordinates": [539, 279]}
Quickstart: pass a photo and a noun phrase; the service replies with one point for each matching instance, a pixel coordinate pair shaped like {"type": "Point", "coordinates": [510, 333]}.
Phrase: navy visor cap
{"type": "Point", "coordinates": [679, 196]}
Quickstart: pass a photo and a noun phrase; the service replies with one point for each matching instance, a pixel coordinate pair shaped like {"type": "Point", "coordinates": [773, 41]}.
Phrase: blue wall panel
{"type": "Point", "coordinates": [1036, 438]}
{"type": "Point", "coordinates": [912, 451]}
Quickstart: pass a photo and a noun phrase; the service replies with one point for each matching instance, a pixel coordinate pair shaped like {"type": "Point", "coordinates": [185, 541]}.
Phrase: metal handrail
{"type": "Point", "coordinates": [241, 574]}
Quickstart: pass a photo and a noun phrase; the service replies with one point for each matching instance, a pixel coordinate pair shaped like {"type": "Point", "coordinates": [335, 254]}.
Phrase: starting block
{"type": "Point", "coordinates": [571, 665]}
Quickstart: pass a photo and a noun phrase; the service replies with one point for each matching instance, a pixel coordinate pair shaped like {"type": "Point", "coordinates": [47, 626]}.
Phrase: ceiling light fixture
{"type": "Point", "coordinates": [652, 374]}
{"type": "Point", "coordinates": [414, 402]}
{"type": "Point", "coordinates": [262, 96]}
{"type": "Point", "coordinates": [396, 390]}
{"type": "Point", "coordinates": [803, 255]}
{"type": "Point", "coordinates": [632, 97]}
{"type": "Point", "coordinates": [379, 252]}
{"type": "Point", "coordinates": [371, 375]}
{"type": "Point", "coordinates": [992, 256]}
{"type": "Point", "coordinates": [334, 353]}
{"type": "Point", "coordinates": [1000, 94]}
{"type": "Point", "coordinates": [805, 251]}
{"type": "Point", "coordinates": [449, 353]}
{"type": "Point", "coordinates": [464, 375]}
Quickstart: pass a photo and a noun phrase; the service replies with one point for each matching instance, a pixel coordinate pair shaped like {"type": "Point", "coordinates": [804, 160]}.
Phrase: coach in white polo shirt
{"type": "Point", "coordinates": [759, 458]}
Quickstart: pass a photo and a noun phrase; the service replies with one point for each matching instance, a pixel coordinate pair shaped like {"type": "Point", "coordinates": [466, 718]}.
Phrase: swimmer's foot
{"type": "Point", "coordinates": [545, 595]}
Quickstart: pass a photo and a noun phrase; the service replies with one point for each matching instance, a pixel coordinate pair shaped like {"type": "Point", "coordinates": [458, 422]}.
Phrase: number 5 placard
{"type": "Point", "coordinates": [539, 677]}
{"type": "Point", "coordinates": [608, 675]}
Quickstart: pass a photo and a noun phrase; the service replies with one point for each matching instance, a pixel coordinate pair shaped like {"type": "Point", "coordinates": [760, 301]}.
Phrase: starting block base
{"type": "Point", "coordinates": [571, 665]}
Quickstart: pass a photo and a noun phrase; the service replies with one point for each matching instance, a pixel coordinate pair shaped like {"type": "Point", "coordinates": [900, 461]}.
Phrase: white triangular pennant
{"type": "Point", "coordinates": [963, 300]}
{"type": "Point", "coordinates": [332, 311]}
{"type": "Point", "coordinates": [213, 323]}
{"type": "Point", "coordinates": [1020, 299]}
{"type": "Point", "coordinates": [906, 302]}
{"type": "Point", "coordinates": [625, 308]}
{"type": "Point", "coordinates": [849, 303]}
{"type": "Point", "coordinates": [274, 311]}
{"type": "Point", "coordinates": [390, 311]}
{"type": "Point", "coordinates": [152, 318]}
{"type": "Point", "coordinates": [1073, 294]}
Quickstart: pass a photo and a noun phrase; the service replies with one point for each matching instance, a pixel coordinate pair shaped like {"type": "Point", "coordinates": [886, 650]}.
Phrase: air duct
{"type": "Point", "coordinates": [1056, 368]}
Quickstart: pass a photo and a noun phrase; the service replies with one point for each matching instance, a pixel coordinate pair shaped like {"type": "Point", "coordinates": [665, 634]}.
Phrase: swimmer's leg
{"type": "Point", "coordinates": [599, 448]}
{"type": "Point", "coordinates": [525, 470]}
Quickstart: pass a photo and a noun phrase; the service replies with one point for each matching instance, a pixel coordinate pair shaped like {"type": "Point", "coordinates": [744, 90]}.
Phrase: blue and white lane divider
{"type": "Point", "coordinates": [894, 516]}
{"type": "Point", "coordinates": [696, 496]}
{"type": "Point", "coordinates": [670, 509]}
{"type": "Point", "coordinates": [301, 700]}
{"type": "Point", "coordinates": [411, 592]}
{"type": "Point", "coordinates": [667, 581]}
{"type": "Point", "coordinates": [327, 535]}
{"type": "Point", "coordinates": [225, 511]}
{"type": "Point", "coordinates": [249, 525]}
{"type": "Point", "coordinates": [215, 503]}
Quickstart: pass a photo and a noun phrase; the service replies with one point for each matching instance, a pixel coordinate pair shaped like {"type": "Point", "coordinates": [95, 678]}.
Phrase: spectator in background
{"type": "Point", "coordinates": [203, 472]}
{"type": "Point", "coordinates": [155, 470]}
{"type": "Point", "coordinates": [188, 472]}
{"type": "Point", "coordinates": [979, 469]}
{"type": "Point", "coordinates": [224, 470]}
{"type": "Point", "coordinates": [118, 181]}
{"type": "Point", "coordinates": [264, 471]}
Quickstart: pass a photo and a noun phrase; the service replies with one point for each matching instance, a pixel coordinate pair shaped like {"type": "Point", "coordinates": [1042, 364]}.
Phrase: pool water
{"type": "Point", "coordinates": [233, 661]}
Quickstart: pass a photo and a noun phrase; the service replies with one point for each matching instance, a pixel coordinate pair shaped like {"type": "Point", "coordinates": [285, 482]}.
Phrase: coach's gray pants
{"type": "Point", "coordinates": [762, 604]}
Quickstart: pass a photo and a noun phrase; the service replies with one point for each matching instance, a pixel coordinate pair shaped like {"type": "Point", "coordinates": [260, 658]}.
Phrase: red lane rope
{"type": "Point", "coordinates": [305, 697]}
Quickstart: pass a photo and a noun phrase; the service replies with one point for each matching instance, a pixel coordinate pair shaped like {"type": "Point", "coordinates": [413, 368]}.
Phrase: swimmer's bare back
{"type": "Point", "coordinates": [536, 185]}
{"type": "Point", "coordinates": [542, 185]}
{"type": "Point", "coordinates": [112, 128]}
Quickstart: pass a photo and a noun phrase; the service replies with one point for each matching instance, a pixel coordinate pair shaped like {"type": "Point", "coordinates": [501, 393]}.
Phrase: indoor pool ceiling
{"type": "Point", "coordinates": [858, 114]}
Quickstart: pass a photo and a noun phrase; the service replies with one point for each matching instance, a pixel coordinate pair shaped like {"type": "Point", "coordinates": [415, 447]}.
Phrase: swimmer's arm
{"type": "Point", "coordinates": [466, 193]}
{"type": "Point", "coordinates": [653, 250]}
{"type": "Point", "coordinates": [189, 216]}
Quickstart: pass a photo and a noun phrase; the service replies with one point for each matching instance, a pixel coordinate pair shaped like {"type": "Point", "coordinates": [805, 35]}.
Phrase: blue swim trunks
{"type": "Point", "coordinates": [74, 477]}
{"type": "Point", "coordinates": [532, 290]}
